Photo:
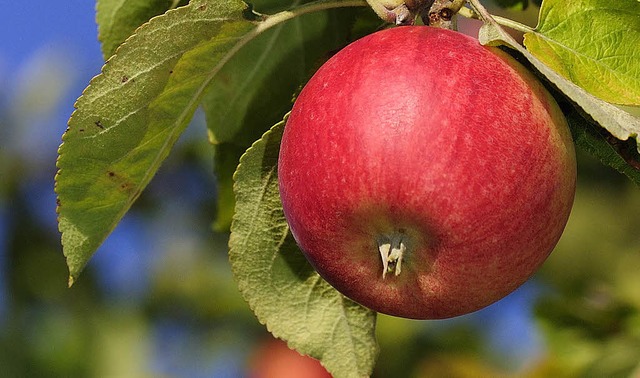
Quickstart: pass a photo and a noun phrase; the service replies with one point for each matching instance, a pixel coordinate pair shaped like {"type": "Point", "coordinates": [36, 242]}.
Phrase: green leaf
{"type": "Point", "coordinates": [621, 155]}
{"type": "Point", "coordinates": [118, 19]}
{"type": "Point", "coordinates": [251, 92]}
{"type": "Point", "coordinates": [616, 121]}
{"type": "Point", "coordinates": [593, 43]}
{"type": "Point", "coordinates": [226, 158]}
{"type": "Point", "coordinates": [281, 287]}
{"type": "Point", "coordinates": [131, 115]}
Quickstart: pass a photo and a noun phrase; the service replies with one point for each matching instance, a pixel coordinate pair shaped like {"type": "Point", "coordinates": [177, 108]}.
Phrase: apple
{"type": "Point", "coordinates": [274, 359]}
{"type": "Point", "coordinates": [424, 175]}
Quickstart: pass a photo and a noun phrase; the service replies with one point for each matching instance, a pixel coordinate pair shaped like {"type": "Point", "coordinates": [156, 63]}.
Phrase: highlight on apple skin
{"type": "Point", "coordinates": [424, 175]}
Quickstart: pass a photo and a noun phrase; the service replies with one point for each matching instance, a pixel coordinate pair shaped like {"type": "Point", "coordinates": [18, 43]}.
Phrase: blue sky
{"type": "Point", "coordinates": [29, 26]}
{"type": "Point", "coordinates": [49, 51]}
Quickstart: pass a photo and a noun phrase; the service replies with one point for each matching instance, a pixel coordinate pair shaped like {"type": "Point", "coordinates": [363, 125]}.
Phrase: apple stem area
{"type": "Point", "coordinates": [392, 250]}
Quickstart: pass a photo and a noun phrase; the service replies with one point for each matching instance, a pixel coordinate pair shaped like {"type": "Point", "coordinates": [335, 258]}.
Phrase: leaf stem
{"type": "Point", "coordinates": [314, 6]}
{"type": "Point", "coordinates": [513, 24]}
{"type": "Point", "coordinates": [471, 13]}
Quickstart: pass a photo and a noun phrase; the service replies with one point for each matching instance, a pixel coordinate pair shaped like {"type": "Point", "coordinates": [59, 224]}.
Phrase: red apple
{"type": "Point", "coordinates": [424, 175]}
{"type": "Point", "coordinates": [273, 359]}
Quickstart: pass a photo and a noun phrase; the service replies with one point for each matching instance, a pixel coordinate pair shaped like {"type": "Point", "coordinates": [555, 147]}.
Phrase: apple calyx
{"type": "Point", "coordinates": [392, 250]}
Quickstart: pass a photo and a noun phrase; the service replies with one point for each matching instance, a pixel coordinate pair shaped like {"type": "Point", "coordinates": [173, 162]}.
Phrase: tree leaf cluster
{"type": "Point", "coordinates": [243, 63]}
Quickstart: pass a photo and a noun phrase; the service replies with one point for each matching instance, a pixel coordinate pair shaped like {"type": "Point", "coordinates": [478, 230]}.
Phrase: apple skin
{"type": "Point", "coordinates": [455, 147]}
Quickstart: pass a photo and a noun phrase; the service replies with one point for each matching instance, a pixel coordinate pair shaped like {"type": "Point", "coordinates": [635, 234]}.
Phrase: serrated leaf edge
{"type": "Point", "coordinates": [150, 172]}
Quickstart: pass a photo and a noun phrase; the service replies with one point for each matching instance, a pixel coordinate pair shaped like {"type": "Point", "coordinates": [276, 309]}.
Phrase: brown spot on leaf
{"type": "Point", "coordinates": [99, 124]}
{"type": "Point", "coordinates": [125, 78]}
{"type": "Point", "coordinates": [123, 183]}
